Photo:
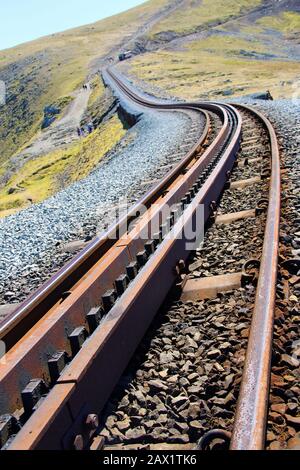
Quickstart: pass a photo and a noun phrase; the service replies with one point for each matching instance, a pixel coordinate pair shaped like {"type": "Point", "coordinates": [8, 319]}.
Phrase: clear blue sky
{"type": "Point", "coordinates": [24, 20]}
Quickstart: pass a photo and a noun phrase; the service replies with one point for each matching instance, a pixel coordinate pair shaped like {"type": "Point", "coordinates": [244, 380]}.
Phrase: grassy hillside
{"type": "Point", "coordinates": [218, 66]}
{"type": "Point", "coordinates": [43, 177]}
{"type": "Point", "coordinates": [39, 72]}
{"type": "Point", "coordinates": [197, 15]}
{"type": "Point", "coordinates": [225, 48]}
{"type": "Point", "coordinates": [47, 72]}
{"type": "Point", "coordinates": [288, 23]}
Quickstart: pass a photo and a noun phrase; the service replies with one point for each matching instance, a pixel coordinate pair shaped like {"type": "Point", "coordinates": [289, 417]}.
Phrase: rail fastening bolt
{"type": "Point", "coordinates": [78, 442]}
{"type": "Point", "coordinates": [92, 421]}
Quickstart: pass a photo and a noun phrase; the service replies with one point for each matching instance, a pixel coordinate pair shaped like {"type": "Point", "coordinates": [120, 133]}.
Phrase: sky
{"type": "Point", "coordinates": [24, 20]}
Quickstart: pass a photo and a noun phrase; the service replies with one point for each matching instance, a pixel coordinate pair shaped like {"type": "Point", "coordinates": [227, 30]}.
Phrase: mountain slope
{"type": "Point", "coordinates": [234, 47]}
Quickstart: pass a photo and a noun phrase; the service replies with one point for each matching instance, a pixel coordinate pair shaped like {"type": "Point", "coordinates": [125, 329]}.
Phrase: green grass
{"type": "Point", "coordinates": [62, 102]}
{"type": "Point", "coordinates": [48, 70]}
{"type": "Point", "coordinates": [208, 67]}
{"type": "Point", "coordinates": [287, 23]}
{"type": "Point", "coordinates": [225, 45]}
{"type": "Point", "coordinates": [204, 15]}
{"type": "Point", "coordinates": [42, 177]}
{"type": "Point", "coordinates": [98, 90]}
{"type": "Point", "coordinates": [223, 64]}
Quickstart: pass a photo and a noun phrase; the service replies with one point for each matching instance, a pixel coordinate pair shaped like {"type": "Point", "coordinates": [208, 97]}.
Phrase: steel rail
{"type": "Point", "coordinates": [85, 385]}
{"type": "Point", "coordinates": [19, 322]}
{"type": "Point", "coordinates": [252, 408]}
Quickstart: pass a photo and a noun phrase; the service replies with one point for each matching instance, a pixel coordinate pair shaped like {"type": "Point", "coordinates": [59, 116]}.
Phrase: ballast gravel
{"type": "Point", "coordinates": [31, 241]}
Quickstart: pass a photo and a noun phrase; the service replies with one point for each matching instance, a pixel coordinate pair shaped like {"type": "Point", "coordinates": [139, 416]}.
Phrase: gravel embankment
{"type": "Point", "coordinates": [32, 241]}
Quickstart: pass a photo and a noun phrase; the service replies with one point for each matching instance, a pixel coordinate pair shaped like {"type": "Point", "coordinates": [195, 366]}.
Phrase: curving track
{"type": "Point", "coordinates": [70, 342]}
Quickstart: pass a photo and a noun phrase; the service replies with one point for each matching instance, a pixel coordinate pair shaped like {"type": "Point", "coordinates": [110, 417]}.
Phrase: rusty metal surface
{"type": "Point", "coordinates": [210, 287]}
{"type": "Point", "coordinates": [56, 419]}
{"type": "Point", "coordinates": [28, 359]}
{"type": "Point", "coordinates": [251, 415]}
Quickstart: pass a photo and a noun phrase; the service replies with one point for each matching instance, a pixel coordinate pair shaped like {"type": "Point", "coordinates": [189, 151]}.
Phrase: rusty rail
{"type": "Point", "coordinates": [252, 409]}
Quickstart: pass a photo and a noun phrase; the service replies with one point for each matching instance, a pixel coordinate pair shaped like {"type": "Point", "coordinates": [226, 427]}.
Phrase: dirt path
{"type": "Point", "coordinates": [157, 17]}
{"type": "Point", "coordinates": [60, 134]}
{"type": "Point", "coordinates": [63, 131]}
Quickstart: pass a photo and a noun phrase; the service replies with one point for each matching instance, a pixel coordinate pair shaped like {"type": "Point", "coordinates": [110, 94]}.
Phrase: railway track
{"type": "Point", "coordinates": [70, 342]}
{"type": "Point", "coordinates": [186, 376]}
